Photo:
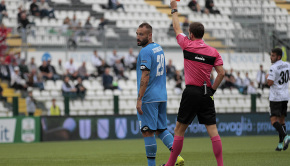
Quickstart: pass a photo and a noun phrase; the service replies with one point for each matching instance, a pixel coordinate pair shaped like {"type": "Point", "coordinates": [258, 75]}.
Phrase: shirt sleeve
{"type": "Point", "coordinates": [272, 74]}
{"type": "Point", "coordinates": [145, 57]}
{"type": "Point", "coordinates": [218, 60]}
{"type": "Point", "coordinates": [182, 40]}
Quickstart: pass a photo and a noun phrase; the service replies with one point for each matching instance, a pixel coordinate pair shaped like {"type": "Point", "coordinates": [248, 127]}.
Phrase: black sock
{"type": "Point", "coordinates": [280, 138]}
{"type": "Point", "coordinates": [284, 127]}
{"type": "Point", "coordinates": [280, 130]}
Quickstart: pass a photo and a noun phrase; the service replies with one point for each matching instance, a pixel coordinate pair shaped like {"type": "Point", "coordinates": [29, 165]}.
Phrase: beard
{"type": "Point", "coordinates": [142, 43]}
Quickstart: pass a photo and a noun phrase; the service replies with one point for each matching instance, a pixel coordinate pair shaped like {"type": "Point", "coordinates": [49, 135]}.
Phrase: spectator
{"type": "Point", "coordinates": [4, 70]}
{"type": "Point", "coordinates": [66, 25]}
{"type": "Point", "coordinates": [170, 70]}
{"type": "Point", "coordinates": [102, 68]}
{"type": "Point", "coordinates": [74, 23]}
{"type": "Point", "coordinates": [131, 60]}
{"type": "Point", "coordinates": [10, 58]}
{"type": "Point", "coordinates": [239, 83]}
{"type": "Point", "coordinates": [11, 67]}
{"type": "Point", "coordinates": [3, 11]}
{"type": "Point", "coordinates": [18, 58]}
{"type": "Point", "coordinates": [74, 26]}
{"type": "Point", "coordinates": [25, 27]}
{"type": "Point", "coordinates": [171, 30]}
{"type": "Point", "coordinates": [45, 9]}
{"type": "Point", "coordinates": [108, 80]}
{"type": "Point", "coordinates": [194, 6]}
{"type": "Point", "coordinates": [20, 11]}
{"type": "Point", "coordinates": [34, 10]}
{"type": "Point", "coordinates": [209, 5]}
{"type": "Point", "coordinates": [261, 78]}
{"type": "Point", "coordinates": [16, 81]}
{"type": "Point", "coordinates": [251, 88]}
{"type": "Point", "coordinates": [23, 69]}
{"type": "Point", "coordinates": [185, 25]}
{"type": "Point", "coordinates": [102, 23]}
{"type": "Point", "coordinates": [89, 29]}
{"type": "Point", "coordinates": [30, 104]}
{"type": "Point", "coordinates": [247, 80]}
{"type": "Point", "coordinates": [119, 70]}
{"type": "Point", "coordinates": [71, 69]}
{"type": "Point", "coordinates": [3, 37]}
{"type": "Point", "coordinates": [82, 71]}
{"type": "Point", "coordinates": [178, 80]}
{"type": "Point", "coordinates": [52, 70]}
{"type": "Point", "coordinates": [32, 64]}
{"type": "Point", "coordinates": [229, 80]}
{"type": "Point", "coordinates": [24, 22]}
{"type": "Point", "coordinates": [54, 109]}
{"type": "Point", "coordinates": [96, 61]}
{"type": "Point", "coordinates": [81, 90]}
{"type": "Point", "coordinates": [68, 90]}
{"type": "Point", "coordinates": [35, 80]}
{"type": "Point", "coordinates": [46, 74]}
{"type": "Point", "coordinates": [59, 68]}
{"type": "Point", "coordinates": [114, 4]}
{"type": "Point", "coordinates": [2, 98]}
{"type": "Point", "coordinates": [116, 62]}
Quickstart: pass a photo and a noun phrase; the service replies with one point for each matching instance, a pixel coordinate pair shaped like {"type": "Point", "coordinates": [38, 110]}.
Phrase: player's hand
{"type": "Point", "coordinates": [173, 4]}
{"type": "Point", "coordinates": [138, 106]}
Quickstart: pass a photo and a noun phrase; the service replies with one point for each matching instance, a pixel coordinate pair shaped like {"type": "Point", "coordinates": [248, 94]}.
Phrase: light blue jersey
{"type": "Point", "coordinates": [152, 58]}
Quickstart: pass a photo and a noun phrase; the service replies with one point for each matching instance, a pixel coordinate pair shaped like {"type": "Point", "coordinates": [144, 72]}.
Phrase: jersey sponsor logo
{"type": "Point", "coordinates": [200, 58]}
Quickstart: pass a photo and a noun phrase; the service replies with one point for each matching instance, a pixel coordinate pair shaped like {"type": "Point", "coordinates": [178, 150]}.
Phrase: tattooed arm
{"type": "Point", "coordinates": [143, 85]}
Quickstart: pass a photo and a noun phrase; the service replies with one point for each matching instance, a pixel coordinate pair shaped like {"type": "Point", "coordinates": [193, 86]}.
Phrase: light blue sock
{"type": "Point", "coordinates": [167, 138]}
{"type": "Point", "coordinates": [151, 148]}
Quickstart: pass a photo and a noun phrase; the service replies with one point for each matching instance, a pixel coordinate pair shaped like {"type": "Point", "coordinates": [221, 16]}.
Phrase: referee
{"type": "Point", "coordinates": [197, 98]}
{"type": "Point", "coordinates": [277, 79]}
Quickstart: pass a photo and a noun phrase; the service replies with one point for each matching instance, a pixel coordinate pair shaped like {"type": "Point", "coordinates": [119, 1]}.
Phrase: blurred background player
{"type": "Point", "coordinates": [151, 106]}
{"type": "Point", "coordinates": [277, 79]}
{"type": "Point", "coordinates": [197, 98]}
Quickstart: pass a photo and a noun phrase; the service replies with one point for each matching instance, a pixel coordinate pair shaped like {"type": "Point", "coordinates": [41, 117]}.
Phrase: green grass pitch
{"type": "Point", "coordinates": [237, 151]}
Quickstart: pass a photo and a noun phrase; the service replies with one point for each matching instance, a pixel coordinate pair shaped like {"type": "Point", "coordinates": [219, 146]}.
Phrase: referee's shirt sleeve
{"type": "Point", "coordinates": [145, 57]}
{"type": "Point", "coordinates": [218, 60]}
{"type": "Point", "coordinates": [182, 40]}
{"type": "Point", "coordinates": [272, 74]}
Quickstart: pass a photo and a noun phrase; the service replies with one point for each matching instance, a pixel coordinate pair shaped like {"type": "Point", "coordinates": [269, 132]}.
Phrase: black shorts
{"type": "Point", "coordinates": [195, 103]}
{"type": "Point", "coordinates": [278, 108]}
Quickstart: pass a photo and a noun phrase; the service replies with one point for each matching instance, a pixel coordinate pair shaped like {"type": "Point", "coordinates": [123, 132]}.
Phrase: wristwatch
{"type": "Point", "coordinates": [173, 11]}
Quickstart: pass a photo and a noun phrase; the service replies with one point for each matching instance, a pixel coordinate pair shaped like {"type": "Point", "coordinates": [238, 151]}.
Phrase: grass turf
{"type": "Point", "coordinates": [237, 151]}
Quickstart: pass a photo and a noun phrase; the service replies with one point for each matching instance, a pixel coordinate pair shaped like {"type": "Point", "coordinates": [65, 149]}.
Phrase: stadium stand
{"type": "Point", "coordinates": [239, 27]}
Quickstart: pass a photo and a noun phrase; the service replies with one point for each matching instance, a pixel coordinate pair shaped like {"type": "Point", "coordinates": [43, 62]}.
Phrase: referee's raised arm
{"type": "Point", "coordinates": [175, 20]}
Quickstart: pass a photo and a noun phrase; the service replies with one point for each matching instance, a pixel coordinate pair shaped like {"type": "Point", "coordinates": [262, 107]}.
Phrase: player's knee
{"type": "Point", "coordinates": [159, 131]}
{"type": "Point", "coordinates": [147, 132]}
{"type": "Point", "coordinates": [273, 119]}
